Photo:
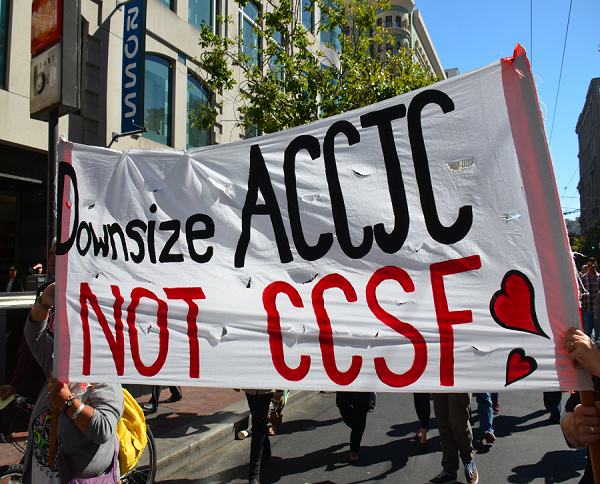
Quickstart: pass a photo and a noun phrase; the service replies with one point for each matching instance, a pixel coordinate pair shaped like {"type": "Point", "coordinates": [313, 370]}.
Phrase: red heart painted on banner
{"type": "Point", "coordinates": [518, 366]}
{"type": "Point", "coordinates": [513, 306]}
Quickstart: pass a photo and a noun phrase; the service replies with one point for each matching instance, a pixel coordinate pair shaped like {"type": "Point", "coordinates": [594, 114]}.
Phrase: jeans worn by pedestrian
{"type": "Point", "coordinates": [486, 416]}
{"type": "Point", "coordinates": [587, 321]}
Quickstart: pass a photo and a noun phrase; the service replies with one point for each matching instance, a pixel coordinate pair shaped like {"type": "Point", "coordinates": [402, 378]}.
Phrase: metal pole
{"type": "Point", "coordinates": [52, 141]}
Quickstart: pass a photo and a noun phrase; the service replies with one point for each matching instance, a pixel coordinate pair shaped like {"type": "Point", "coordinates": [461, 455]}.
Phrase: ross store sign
{"type": "Point", "coordinates": [134, 37]}
{"type": "Point", "coordinates": [46, 24]}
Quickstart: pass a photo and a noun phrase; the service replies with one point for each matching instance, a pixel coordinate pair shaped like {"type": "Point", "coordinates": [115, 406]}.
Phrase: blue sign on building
{"type": "Point", "coordinates": [132, 88]}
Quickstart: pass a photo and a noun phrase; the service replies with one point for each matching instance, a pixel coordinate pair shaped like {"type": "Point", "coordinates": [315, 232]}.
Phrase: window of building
{"type": "Point", "coordinates": [3, 42]}
{"type": "Point", "coordinates": [307, 15]}
{"type": "Point", "coordinates": [379, 22]}
{"type": "Point", "coordinates": [157, 98]}
{"type": "Point", "coordinates": [167, 3]}
{"type": "Point", "coordinates": [388, 21]}
{"type": "Point", "coordinates": [197, 95]}
{"type": "Point", "coordinates": [398, 21]}
{"type": "Point", "coordinates": [248, 17]}
{"type": "Point", "coordinates": [203, 11]}
{"type": "Point", "coordinates": [333, 36]}
{"type": "Point", "coordinates": [251, 132]}
{"type": "Point", "coordinates": [273, 64]}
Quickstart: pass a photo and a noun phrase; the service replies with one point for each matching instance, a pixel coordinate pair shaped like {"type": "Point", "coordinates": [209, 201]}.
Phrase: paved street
{"type": "Point", "coordinates": [313, 448]}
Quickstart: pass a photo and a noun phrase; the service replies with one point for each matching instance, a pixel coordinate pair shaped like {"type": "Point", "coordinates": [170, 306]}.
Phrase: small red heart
{"type": "Point", "coordinates": [68, 205]}
{"type": "Point", "coordinates": [518, 366]}
{"type": "Point", "coordinates": [513, 306]}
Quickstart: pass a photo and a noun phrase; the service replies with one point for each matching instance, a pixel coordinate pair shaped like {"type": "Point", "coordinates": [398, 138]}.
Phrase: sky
{"type": "Point", "coordinates": [473, 33]}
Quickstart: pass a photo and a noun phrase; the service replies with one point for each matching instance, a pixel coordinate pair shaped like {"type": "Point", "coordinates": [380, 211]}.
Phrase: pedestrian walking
{"type": "Point", "coordinates": [353, 407]}
{"type": "Point", "coordinates": [486, 417]}
{"type": "Point", "coordinates": [423, 409]}
{"type": "Point", "coordinates": [591, 283]}
{"type": "Point", "coordinates": [152, 406]}
{"type": "Point", "coordinates": [259, 402]}
{"type": "Point", "coordinates": [452, 411]}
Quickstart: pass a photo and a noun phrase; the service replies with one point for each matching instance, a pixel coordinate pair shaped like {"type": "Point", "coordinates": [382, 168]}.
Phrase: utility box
{"type": "Point", "coordinates": [34, 281]}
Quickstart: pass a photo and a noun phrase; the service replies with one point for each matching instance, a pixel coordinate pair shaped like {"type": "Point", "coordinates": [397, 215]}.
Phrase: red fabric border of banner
{"type": "Point", "coordinates": [541, 209]}
{"type": "Point", "coordinates": [62, 339]}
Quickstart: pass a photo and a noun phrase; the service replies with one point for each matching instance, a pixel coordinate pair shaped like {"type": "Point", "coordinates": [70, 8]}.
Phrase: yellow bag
{"type": "Point", "coordinates": [131, 432]}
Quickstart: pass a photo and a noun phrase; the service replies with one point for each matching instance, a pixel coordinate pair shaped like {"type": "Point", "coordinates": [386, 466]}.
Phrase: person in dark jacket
{"type": "Point", "coordinates": [14, 283]}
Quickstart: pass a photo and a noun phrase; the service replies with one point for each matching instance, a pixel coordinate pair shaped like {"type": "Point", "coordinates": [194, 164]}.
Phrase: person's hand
{"type": "Point", "coordinates": [59, 392]}
{"type": "Point", "coordinates": [6, 391]}
{"type": "Point", "coordinates": [48, 295]}
{"type": "Point", "coordinates": [581, 349]}
{"type": "Point", "coordinates": [587, 423]}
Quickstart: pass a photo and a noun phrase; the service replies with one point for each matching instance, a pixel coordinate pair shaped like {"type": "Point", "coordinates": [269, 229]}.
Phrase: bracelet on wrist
{"type": "Point", "coordinates": [78, 411]}
{"type": "Point", "coordinates": [45, 307]}
{"type": "Point", "coordinates": [69, 402]}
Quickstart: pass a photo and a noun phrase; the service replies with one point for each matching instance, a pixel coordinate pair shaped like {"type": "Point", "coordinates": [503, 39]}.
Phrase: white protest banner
{"type": "Point", "coordinates": [413, 245]}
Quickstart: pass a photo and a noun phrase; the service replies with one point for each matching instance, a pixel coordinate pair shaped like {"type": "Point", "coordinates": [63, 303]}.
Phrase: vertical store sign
{"type": "Point", "coordinates": [134, 36]}
{"type": "Point", "coordinates": [46, 34]}
{"type": "Point", "coordinates": [55, 69]}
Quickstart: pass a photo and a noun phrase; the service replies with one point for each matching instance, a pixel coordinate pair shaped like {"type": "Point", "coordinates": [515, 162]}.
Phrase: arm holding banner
{"type": "Point", "coordinates": [581, 349]}
{"type": "Point", "coordinates": [576, 426]}
{"type": "Point", "coordinates": [39, 341]}
{"type": "Point", "coordinates": [581, 425]}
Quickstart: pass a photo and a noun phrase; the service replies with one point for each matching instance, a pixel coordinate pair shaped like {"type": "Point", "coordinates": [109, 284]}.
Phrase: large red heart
{"type": "Point", "coordinates": [513, 306]}
{"type": "Point", "coordinates": [518, 366]}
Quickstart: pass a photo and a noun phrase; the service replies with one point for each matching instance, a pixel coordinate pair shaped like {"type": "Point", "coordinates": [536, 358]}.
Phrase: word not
{"type": "Point", "coordinates": [446, 320]}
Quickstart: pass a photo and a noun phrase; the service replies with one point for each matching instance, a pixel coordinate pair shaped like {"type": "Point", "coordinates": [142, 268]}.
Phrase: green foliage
{"type": "Point", "coordinates": [587, 244]}
{"type": "Point", "coordinates": [294, 81]}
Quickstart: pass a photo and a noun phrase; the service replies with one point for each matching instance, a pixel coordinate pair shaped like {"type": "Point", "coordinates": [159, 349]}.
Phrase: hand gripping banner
{"type": "Point", "coordinates": [413, 245]}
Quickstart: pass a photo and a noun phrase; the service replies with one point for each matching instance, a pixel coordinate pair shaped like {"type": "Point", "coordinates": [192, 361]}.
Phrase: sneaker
{"type": "Point", "coordinates": [471, 474]}
{"type": "Point", "coordinates": [495, 405]}
{"type": "Point", "coordinates": [442, 478]}
{"type": "Point", "coordinates": [490, 438]}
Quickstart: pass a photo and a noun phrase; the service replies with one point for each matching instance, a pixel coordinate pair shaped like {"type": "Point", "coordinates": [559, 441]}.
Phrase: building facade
{"type": "Point", "coordinates": [588, 132]}
{"type": "Point", "coordinates": [172, 90]}
{"type": "Point", "coordinates": [407, 26]}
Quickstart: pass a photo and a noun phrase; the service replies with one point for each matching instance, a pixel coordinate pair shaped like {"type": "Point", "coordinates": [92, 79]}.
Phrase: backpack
{"type": "Point", "coordinates": [131, 432]}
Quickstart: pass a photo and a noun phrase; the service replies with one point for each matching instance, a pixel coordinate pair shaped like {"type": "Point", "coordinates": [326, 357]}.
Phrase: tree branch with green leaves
{"type": "Point", "coordinates": [288, 79]}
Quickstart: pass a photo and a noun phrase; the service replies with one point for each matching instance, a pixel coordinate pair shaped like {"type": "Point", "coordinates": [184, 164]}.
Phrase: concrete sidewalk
{"type": "Point", "coordinates": [204, 420]}
{"type": "Point", "coordinates": [183, 437]}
